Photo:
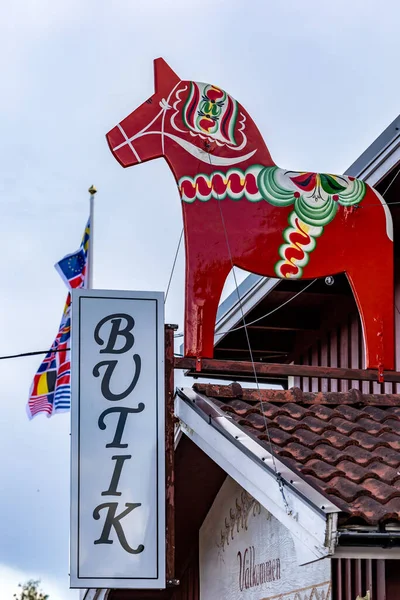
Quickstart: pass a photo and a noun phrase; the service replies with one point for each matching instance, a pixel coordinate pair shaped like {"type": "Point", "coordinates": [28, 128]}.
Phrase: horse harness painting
{"type": "Point", "coordinates": [240, 209]}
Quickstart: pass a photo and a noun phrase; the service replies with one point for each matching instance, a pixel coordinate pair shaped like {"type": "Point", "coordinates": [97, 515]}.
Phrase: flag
{"type": "Point", "coordinates": [72, 267]}
{"type": "Point", "coordinates": [50, 392]}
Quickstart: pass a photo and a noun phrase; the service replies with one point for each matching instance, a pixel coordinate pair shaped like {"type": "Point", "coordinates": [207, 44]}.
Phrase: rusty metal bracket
{"type": "Point", "coordinates": [170, 454]}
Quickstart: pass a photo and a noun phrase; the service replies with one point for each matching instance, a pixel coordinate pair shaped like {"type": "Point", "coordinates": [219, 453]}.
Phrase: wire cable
{"type": "Point", "coordinates": [362, 205]}
{"type": "Point", "coordinates": [390, 184]}
{"type": "Point", "coordinates": [23, 354]}
{"type": "Point", "coordinates": [277, 475]}
{"type": "Point", "coordinates": [173, 266]}
{"type": "Point", "coordinates": [271, 312]}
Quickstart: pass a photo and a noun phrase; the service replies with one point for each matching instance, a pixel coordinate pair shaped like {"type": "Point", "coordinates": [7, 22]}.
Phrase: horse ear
{"type": "Point", "coordinates": [164, 77]}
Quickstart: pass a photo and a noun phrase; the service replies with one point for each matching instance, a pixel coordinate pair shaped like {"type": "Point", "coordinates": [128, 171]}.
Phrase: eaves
{"type": "Point", "coordinates": [306, 513]}
{"type": "Point", "coordinates": [251, 291]}
{"type": "Point", "coordinates": [380, 157]}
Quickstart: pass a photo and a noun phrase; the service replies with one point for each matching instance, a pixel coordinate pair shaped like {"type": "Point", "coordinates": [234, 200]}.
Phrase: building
{"type": "Point", "coordinates": [291, 492]}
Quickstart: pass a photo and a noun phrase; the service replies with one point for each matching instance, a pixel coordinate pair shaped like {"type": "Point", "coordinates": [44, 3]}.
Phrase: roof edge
{"type": "Point", "coordinates": [294, 502]}
{"type": "Point", "coordinates": [378, 146]}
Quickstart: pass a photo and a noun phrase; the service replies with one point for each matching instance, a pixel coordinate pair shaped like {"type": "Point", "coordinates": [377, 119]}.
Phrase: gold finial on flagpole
{"type": "Point", "coordinates": [92, 190]}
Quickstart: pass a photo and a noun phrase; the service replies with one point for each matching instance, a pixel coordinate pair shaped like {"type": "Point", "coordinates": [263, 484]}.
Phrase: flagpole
{"type": "Point", "coordinates": [92, 191]}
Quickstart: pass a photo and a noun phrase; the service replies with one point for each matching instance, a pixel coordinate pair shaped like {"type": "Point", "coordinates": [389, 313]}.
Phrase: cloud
{"type": "Point", "coordinates": [10, 578]}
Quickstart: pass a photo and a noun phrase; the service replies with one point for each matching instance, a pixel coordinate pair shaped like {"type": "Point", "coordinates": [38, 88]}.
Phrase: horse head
{"type": "Point", "coordinates": [184, 119]}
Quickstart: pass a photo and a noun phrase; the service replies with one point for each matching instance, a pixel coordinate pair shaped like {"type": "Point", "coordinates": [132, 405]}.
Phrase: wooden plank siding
{"type": "Point", "coordinates": [354, 577]}
{"type": "Point", "coordinates": [342, 345]}
{"type": "Point", "coordinates": [189, 587]}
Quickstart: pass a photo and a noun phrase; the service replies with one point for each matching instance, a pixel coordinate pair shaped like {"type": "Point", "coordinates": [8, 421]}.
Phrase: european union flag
{"type": "Point", "coordinates": [73, 267]}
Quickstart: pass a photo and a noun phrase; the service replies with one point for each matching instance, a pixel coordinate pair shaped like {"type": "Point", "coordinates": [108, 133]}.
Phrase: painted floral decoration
{"type": "Point", "coordinates": [211, 111]}
{"type": "Point", "coordinates": [315, 196]}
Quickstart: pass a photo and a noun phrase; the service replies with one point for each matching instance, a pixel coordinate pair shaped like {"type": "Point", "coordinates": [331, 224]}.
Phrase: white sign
{"type": "Point", "coordinates": [247, 554]}
{"type": "Point", "coordinates": [117, 434]}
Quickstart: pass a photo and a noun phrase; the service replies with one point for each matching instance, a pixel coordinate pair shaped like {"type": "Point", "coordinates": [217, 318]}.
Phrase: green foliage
{"type": "Point", "coordinates": [30, 591]}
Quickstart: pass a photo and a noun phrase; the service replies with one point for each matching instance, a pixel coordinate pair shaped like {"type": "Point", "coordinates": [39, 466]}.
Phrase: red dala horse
{"type": "Point", "coordinates": [240, 209]}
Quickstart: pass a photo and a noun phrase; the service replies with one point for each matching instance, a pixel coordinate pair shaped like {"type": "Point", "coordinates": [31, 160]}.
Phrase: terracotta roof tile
{"type": "Point", "coordinates": [344, 488]}
{"type": "Point", "coordinates": [348, 412]}
{"type": "Point", "coordinates": [336, 439]}
{"type": "Point", "coordinates": [296, 411]}
{"type": "Point", "coordinates": [238, 407]}
{"type": "Point", "coordinates": [316, 483]}
{"type": "Point", "coordinates": [270, 410]}
{"type": "Point", "coordinates": [384, 472]}
{"type": "Point", "coordinates": [367, 441]}
{"type": "Point", "coordinates": [297, 451]}
{"type": "Point", "coordinates": [378, 414]}
{"type": "Point", "coordinates": [381, 491]}
{"type": "Point", "coordinates": [278, 437]}
{"type": "Point", "coordinates": [344, 426]}
{"type": "Point", "coordinates": [389, 456]}
{"type": "Point", "coordinates": [287, 423]}
{"type": "Point", "coordinates": [373, 427]}
{"type": "Point", "coordinates": [329, 453]}
{"type": "Point", "coordinates": [352, 471]}
{"type": "Point", "coordinates": [373, 511]}
{"type": "Point", "coordinates": [394, 411]}
{"type": "Point", "coordinates": [360, 455]}
{"type": "Point", "coordinates": [316, 425]}
{"type": "Point", "coordinates": [322, 412]}
{"type": "Point", "coordinates": [307, 437]}
{"type": "Point", "coordinates": [348, 452]}
{"type": "Point", "coordinates": [254, 420]}
{"type": "Point", "coordinates": [392, 422]}
{"type": "Point", "coordinates": [220, 404]}
{"type": "Point", "coordinates": [390, 438]}
{"type": "Point", "coordinates": [290, 462]}
{"type": "Point", "coordinates": [320, 469]}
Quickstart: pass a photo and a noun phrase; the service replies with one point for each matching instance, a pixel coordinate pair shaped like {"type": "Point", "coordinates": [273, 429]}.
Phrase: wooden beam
{"type": "Point", "coordinates": [278, 328]}
{"type": "Point", "coordinates": [304, 318]}
{"type": "Point", "coordinates": [251, 395]}
{"type": "Point", "coordinates": [169, 454]}
{"type": "Point", "coordinates": [245, 350]}
{"type": "Point", "coordinates": [286, 294]}
{"type": "Point", "coordinates": [218, 376]}
{"type": "Point", "coordinates": [209, 365]}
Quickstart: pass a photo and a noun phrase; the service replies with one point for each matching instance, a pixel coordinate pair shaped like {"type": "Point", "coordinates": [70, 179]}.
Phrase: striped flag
{"type": "Point", "coordinates": [50, 392]}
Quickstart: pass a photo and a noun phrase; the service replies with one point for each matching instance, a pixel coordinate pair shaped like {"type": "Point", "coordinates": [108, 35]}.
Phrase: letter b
{"type": "Point", "coordinates": [116, 332]}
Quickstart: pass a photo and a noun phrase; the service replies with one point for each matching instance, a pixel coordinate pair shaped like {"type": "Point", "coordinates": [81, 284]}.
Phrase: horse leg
{"type": "Point", "coordinates": [374, 294]}
{"type": "Point", "coordinates": [204, 285]}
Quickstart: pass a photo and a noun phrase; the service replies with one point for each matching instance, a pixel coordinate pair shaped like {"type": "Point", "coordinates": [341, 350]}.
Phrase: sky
{"type": "Point", "coordinates": [320, 79]}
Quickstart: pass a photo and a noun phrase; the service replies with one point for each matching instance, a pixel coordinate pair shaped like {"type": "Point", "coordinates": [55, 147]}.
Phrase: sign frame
{"type": "Point", "coordinates": [80, 576]}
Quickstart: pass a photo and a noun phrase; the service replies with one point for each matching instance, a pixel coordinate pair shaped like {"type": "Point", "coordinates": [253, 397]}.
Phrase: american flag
{"type": "Point", "coordinates": [50, 392]}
